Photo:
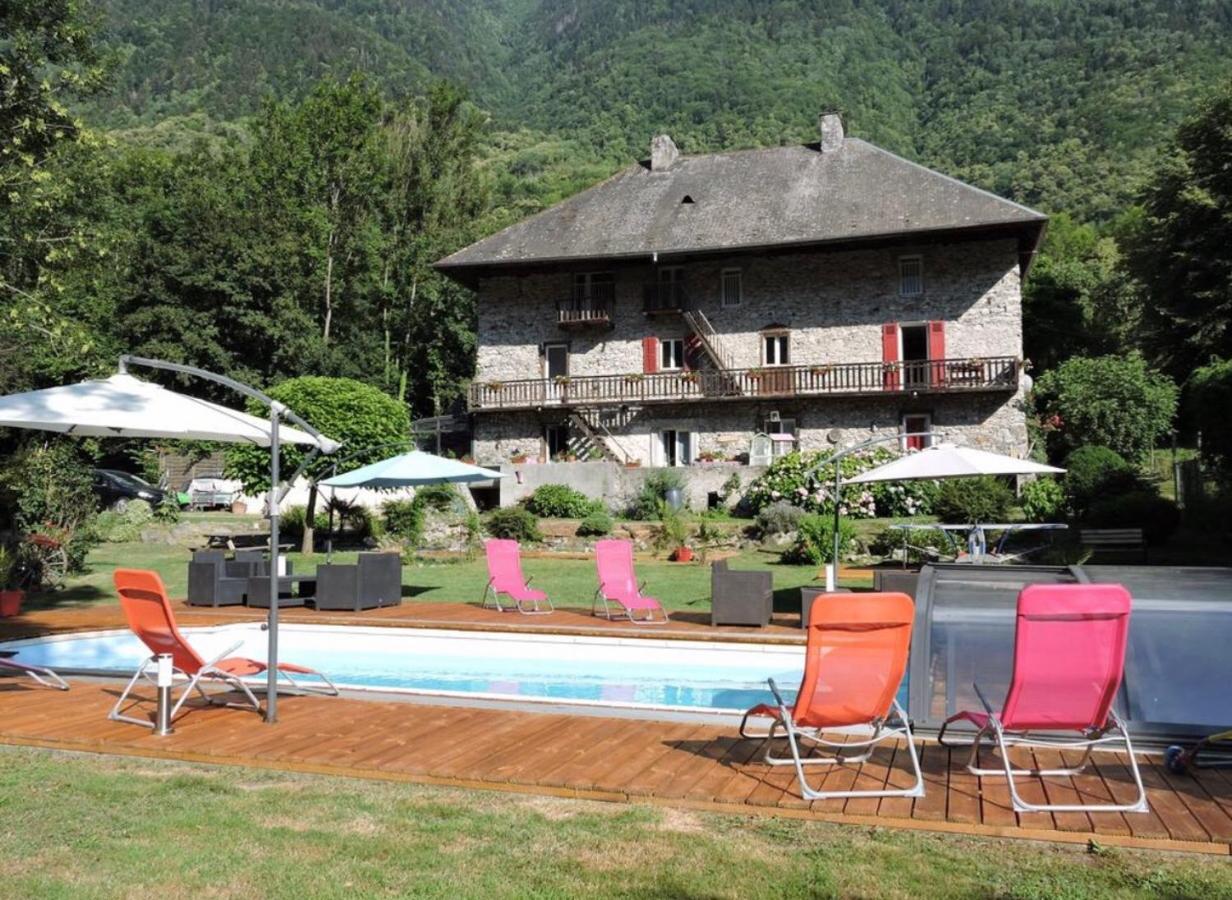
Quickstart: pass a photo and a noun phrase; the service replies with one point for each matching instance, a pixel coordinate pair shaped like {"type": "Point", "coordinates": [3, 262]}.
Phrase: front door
{"type": "Point", "coordinates": [555, 370]}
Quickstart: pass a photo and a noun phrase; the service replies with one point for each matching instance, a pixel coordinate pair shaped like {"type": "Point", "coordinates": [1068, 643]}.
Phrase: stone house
{"type": "Point", "coordinates": [815, 294]}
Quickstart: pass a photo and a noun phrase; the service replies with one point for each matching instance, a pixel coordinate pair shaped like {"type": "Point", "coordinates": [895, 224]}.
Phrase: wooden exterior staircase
{"type": "Point", "coordinates": [706, 339]}
{"type": "Point", "coordinates": [590, 437]}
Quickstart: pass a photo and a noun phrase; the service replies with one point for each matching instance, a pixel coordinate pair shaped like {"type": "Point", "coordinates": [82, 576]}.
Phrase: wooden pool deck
{"type": "Point", "coordinates": [703, 767]}
{"type": "Point", "coordinates": [415, 614]}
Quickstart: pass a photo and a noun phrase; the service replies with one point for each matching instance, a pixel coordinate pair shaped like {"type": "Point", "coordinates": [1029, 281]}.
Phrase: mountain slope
{"type": "Point", "coordinates": [1060, 104]}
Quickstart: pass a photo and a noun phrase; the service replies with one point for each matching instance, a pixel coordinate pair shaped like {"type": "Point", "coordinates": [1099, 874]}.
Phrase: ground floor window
{"type": "Point", "coordinates": [782, 434]}
{"type": "Point", "coordinates": [916, 431]}
{"type": "Point", "coordinates": [676, 447]}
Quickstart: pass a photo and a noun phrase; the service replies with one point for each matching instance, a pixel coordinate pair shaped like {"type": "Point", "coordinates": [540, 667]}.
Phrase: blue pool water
{"type": "Point", "coordinates": [626, 672]}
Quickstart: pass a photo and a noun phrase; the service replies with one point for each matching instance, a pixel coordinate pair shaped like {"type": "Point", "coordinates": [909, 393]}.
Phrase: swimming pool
{"type": "Point", "coordinates": [647, 674]}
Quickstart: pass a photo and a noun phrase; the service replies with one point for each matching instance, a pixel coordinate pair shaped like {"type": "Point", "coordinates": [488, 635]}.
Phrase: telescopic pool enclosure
{"type": "Point", "coordinates": [1177, 666]}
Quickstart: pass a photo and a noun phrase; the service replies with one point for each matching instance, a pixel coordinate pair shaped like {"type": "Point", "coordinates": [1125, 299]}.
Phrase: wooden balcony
{"type": "Point", "coordinates": [584, 312]}
{"type": "Point", "coordinates": [942, 376]}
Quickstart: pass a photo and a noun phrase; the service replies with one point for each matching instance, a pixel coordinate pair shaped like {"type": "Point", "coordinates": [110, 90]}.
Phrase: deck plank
{"type": "Point", "coordinates": [698, 766]}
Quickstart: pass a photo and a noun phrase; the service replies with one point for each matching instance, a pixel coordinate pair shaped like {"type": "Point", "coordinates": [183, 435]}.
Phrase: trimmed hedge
{"type": "Point", "coordinates": [1093, 472]}
{"type": "Point", "coordinates": [514, 523]}
{"type": "Point", "coordinates": [559, 501]}
{"type": "Point", "coordinates": [966, 500]}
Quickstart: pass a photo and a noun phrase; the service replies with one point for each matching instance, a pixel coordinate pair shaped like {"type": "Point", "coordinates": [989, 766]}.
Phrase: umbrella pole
{"type": "Point", "coordinates": [271, 689]}
{"type": "Point", "coordinates": [832, 569]}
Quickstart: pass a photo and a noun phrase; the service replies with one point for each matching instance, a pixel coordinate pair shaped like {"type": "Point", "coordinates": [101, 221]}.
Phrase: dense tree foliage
{"type": "Point", "coordinates": [1182, 248]}
{"type": "Point", "coordinates": [357, 415]}
{"type": "Point", "coordinates": [1110, 401]}
{"type": "Point", "coordinates": [1057, 103]}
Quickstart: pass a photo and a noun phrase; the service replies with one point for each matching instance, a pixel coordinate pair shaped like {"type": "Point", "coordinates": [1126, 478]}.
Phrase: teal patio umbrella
{"type": "Point", "coordinates": [412, 469]}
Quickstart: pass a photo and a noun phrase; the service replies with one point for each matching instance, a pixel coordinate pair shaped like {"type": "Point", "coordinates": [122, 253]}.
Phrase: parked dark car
{"type": "Point", "coordinates": [116, 488]}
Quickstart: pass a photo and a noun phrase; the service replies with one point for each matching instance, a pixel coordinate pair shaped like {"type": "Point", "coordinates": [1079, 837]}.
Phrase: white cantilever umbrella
{"type": "Point", "coordinates": [124, 406]}
{"type": "Point", "coordinates": [950, 461]}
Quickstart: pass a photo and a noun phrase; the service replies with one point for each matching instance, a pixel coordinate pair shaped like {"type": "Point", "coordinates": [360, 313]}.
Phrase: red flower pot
{"type": "Point", "coordinates": [10, 603]}
{"type": "Point", "coordinates": [682, 554]}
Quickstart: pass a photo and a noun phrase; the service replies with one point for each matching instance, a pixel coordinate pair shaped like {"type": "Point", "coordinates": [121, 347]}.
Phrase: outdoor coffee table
{"type": "Point", "coordinates": [288, 595]}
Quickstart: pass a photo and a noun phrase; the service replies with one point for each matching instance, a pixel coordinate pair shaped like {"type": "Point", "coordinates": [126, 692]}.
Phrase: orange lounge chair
{"type": "Point", "coordinates": [145, 604]}
{"type": "Point", "coordinates": [854, 663]}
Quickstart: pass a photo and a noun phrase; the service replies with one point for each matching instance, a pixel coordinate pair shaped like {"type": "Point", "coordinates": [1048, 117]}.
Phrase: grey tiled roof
{"type": "Point", "coordinates": [748, 199]}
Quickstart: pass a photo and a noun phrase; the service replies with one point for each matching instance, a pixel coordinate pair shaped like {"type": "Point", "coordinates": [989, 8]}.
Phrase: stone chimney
{"type": "Point", "coordinates": [830, 125]}
{"type": "Point", "coordinates": [663, 153]}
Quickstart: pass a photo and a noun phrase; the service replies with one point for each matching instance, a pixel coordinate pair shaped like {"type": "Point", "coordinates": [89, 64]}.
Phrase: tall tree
{"type": "Point", "coordinates": [432, 198]}
{"type": "Point", "coordinates": [1182, 250]}
{"type": "Point", "coordinates": [47, 58]}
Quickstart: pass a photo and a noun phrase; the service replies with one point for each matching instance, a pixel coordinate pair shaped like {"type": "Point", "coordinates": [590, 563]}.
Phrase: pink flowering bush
{"type": "Point", "coordinates": [806, 480]}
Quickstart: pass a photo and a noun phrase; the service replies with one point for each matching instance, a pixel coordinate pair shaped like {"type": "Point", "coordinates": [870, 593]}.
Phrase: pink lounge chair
{"type": "Point", "coordinates": [618, 586]}
{"type": "Point", "coordinates": [505, 577]}
{"type": "Point", "coordinates": [1069, 658]}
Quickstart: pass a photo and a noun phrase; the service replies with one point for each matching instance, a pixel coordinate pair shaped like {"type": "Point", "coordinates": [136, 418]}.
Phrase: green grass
{"type": "Point", "coordinates": [569, 582]}
{"type": "Point", "coordinates": [98, 827]}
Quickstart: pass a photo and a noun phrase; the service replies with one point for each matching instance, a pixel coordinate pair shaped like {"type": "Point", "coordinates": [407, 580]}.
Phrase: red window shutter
{"type": "Point", "coordinates": [650, 355]}
{"type": "Point", "coordinates": [936, 351]}
{"type": "Point", "coordinates": [889, 355]}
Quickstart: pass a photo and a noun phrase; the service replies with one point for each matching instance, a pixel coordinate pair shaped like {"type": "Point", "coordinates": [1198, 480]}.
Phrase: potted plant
{"type": "Point", "coordinates": [11, 596]}
{"type": "Point", "coordinates": [672, 534]}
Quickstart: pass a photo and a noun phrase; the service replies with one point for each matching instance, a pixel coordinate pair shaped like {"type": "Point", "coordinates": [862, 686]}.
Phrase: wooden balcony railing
{"type": "Point", "coordinates": [940, 376]}
{"type": "Point", "coordinates": [584, 312]}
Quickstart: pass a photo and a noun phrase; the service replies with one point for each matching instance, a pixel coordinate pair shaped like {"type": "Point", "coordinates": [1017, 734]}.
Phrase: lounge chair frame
{"type": "Point", "coordinates": [893, 727]}
{"type": "Point", "coordinates": [45, 677]}
{"type": "Point", "coordinates": [624, 612]}
{"type": "Point", "coordinates": [1003, 741]}
{"type": "Point", "coordinates": [490, 591]}
{"type": "Point", "coordinates": [209, 673]}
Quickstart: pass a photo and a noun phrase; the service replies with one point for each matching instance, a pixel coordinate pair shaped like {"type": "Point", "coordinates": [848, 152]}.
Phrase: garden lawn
{"type": "Point", "coordinates": [99, 827]}
{"type": "Point", "coordinates": [569, 582]}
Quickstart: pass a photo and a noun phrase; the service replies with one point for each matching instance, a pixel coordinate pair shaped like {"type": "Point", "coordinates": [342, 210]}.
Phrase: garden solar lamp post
{"type": "Point", "coordinates": [837, 457]}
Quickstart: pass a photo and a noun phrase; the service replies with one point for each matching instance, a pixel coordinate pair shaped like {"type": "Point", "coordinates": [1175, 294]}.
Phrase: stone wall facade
{"type": "Point", "coordinates": [833, 306]}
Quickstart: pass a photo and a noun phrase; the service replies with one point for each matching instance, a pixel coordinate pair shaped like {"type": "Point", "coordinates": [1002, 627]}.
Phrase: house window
{"type": "Point", "coordinates": [676, 446]}
{"type": "Point", "coordinates": [731, 288]}
{"type": "Point", "coordinates": [782, 433]}
{"type": "Point", "coordinates": [593, 286]}
{"type": "Point", "coordinates": [775, 349]}
{"type": "Point", "coordinates": [910, 276]}
{"type": "Point", "coordinates": [917, 428]}
{"type": "Point", "coordinates": [671, 354]}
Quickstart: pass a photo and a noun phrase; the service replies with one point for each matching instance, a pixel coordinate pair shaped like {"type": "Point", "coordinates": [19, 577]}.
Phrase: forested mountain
{"type": "Point", "coordinates": [1057, 103]}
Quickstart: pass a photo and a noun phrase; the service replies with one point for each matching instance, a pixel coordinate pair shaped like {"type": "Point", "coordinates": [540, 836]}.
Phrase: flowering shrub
{"type": "Point", "coordinates": [806, 480]}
